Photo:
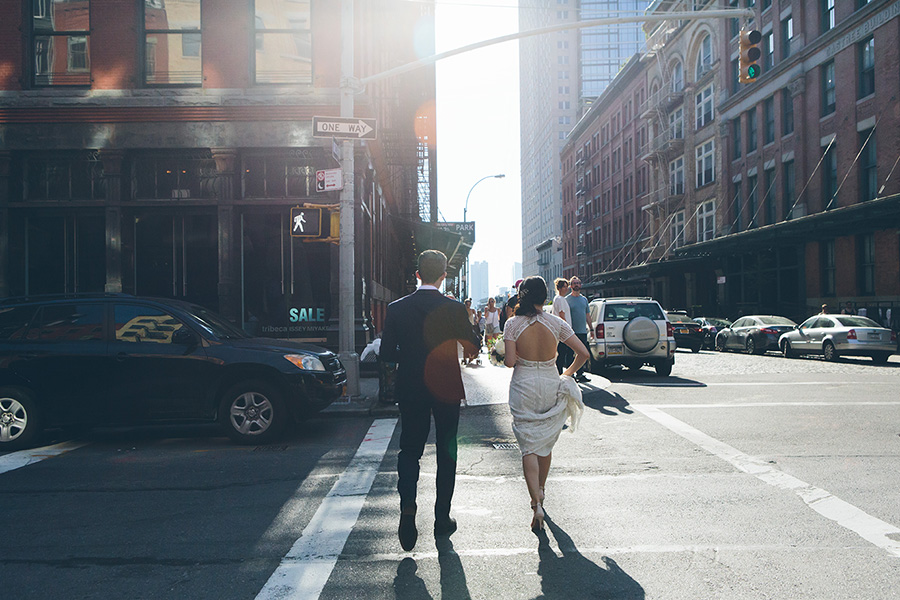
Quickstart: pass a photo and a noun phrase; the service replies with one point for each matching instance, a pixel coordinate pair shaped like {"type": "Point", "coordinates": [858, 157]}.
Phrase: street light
{"type": "Point", "coordinates": [466, 208]}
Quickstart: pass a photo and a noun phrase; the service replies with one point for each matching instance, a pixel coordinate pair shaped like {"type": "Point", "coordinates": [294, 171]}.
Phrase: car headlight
{"type": "Point", "coordinates": [307, 362]}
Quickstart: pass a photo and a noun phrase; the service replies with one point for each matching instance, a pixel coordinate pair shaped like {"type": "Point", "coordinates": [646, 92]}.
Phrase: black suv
{"type": "Point", "coordinates": [112, 359]}
{"type": "Point", "coordinates": [688, 333]}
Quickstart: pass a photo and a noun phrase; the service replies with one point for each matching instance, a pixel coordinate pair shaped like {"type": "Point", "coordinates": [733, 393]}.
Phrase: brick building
{"type": "Point", "coordinates": [156, 147]}
{"type": "Point", "coordinates": [770, 197]}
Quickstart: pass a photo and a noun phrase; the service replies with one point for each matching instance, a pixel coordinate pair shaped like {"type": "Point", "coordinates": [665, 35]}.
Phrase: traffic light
{"type": "Point", "coordinates": [750, 55]}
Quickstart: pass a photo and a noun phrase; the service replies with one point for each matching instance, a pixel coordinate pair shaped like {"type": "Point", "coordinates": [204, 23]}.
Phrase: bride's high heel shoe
{"type": "Point", "coordinates": [537, 522]}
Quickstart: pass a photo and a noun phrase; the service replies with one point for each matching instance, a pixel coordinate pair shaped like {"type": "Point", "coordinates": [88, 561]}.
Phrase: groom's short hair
{"type": "Point", "coordinates": [432, 264]}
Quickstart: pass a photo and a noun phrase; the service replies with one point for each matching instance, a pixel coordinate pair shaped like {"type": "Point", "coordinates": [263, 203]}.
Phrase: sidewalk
{"type": "Point", "coordinates": [364, 405]}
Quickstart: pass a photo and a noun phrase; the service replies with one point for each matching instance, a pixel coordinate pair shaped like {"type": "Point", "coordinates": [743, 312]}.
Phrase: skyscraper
{"type": "Point", "coordinates": [560, 74]}
{"type": "Point", "coordinates": [480, 284]}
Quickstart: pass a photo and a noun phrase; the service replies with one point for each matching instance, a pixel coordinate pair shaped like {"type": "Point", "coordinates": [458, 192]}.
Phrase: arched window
{"type": "Point", "coordinates": [677, 76]}
{"type": "Point", "coordinates": [704, 57]}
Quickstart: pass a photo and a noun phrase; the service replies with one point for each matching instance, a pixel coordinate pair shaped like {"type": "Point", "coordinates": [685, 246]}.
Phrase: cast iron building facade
{"type": "Point", "coordinates": [772, 197]}
{"type": "Point", "coordinates": [156, 147]}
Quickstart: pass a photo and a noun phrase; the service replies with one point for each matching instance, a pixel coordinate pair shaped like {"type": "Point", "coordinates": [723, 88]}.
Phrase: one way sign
{"type": "Point", "coordinates": [344, 128]}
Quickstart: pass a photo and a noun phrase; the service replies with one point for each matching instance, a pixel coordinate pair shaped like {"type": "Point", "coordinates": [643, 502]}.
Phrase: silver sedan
{"type": "Point", "coordinates": [836, 335]}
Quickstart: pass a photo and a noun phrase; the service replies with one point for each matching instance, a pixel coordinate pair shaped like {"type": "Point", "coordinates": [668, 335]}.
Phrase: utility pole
{"type": "Point", "coordinates": [346, 256]}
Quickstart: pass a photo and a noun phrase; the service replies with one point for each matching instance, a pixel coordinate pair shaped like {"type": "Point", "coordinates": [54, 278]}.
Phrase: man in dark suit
{"type": "Point", "coordinates": [421, 332]}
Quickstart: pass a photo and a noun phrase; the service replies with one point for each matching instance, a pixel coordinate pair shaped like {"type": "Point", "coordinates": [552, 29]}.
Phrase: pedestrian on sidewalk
{"type": "Point", "coordinates": [491, 322]}
{"type": "Point", "coordinates": [540, 400]}
{"type": "Point", "coordinates": [421, 333]}
{"type": "Point", "coordinates": [561, 310]}
{"type": "Point", "coordinates": [581, 319]}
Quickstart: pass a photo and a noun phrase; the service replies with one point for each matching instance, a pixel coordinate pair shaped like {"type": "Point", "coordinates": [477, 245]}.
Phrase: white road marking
{"type": "Point", "coordinates": [23, 458]}
{"type": "Point", "coordinates": [697, 384]}
{"type": "Point", "coordinates": [870, 528]}
{"type": "Point", "coordinates": [305, 569]}
{"type": "Point", "coordinates": [764, 404]}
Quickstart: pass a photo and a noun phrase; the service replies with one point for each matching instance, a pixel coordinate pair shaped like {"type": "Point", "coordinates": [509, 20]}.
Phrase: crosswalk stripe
{"type": "Point", "coordinates": [874, 530]}
{"type": "Point", "coordinates": [305, 569]}
{"type": "Point", "coordinates": [23, 458]}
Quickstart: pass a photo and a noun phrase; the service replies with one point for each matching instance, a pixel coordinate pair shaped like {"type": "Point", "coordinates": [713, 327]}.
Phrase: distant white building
{"type": "Point", "coordinates": [516, 272]}
{"type": "Point", "coordinates": [480, 283]}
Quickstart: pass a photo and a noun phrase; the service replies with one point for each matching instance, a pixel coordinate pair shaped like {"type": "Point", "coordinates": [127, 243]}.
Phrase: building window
{"type": "Point", "coordinates": [60, 43]}
{"type": "Point", "coordinates": [704, 58]}
{"type": "Point", "coordinates": [787, 36]}
{"type": "Point", "coordinates": [283, 42]}
{"type": "Point", "coordinates": [769, 198]}
{"type": "Point", "coordinates": [677, 77]}
{"type": "Point", "coordinates": [766, 4]}
{"type": "Point", "coordinates": [865, 268]}
{"type": "Point", "coordinates": [826, 260]}
{"type": "Point", "coordinates": [827, 12]}
{"type": "Point", "coordinates": [172, 43]}
{"type": "Point", "coordinates": [706, 170]}
{"type": "Point", "coordinates": [63, 177]}
{"type": "Point", "coordinates": [170, 176]}
{"type": "Point", "coordinates": [676, 230]}
{"type": "Point", "coordinates": [788, 181]}
{"type": "Point", "coordinates": [752, 130]}
{"type": "Point", "coordinates": [787, 112]}
{"type": "Point", "coordinates": [735, 76]}
{"type": "Point", "coordinates": [768, 48]}
{"type": "Point", "coordinates": [735, 138]}
{"type": "Point", "coordinates": [706, 221]}
{"type": "Point", "coordinates": [676, 124]}
{"type": "Point", "coordinates": [866, 67]}
{"type": "Point", "coordinates": [828, 89]}
{"type": "Point", "coordinates": [829, 176]}
{"type": "Point", "coordinates": [769, 120]}
{"type": "Point", "coordinates": [752, 196]}
{"type": "Point", "coordinates": [868, 166]}
{"type": "Point", "coordinates": [735, 23]}
{"type": "Point", "coordinates": [738, 196]}
{"type": "Point", "coordinates": [704, 107]}
{"type": "Point", "coordinates": [676, 176]}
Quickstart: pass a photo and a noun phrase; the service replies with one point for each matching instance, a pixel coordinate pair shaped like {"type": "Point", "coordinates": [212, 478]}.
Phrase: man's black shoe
{"type": "Point", "coordinates": [582, 378]}
{"type": "Point", "coordinates": [444, 527]}
{"type": "Point", "coordinates": [408, 533]}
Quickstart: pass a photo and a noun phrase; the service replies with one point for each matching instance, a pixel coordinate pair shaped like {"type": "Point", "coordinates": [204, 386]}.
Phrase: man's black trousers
{"type": "Point", "coordinates": [415, 424]}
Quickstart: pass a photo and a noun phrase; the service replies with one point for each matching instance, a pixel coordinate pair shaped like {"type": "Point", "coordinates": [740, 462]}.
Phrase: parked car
{"type": "Point", "coordinates": [112, 359]}
{"type": "Point", "coordinates": [710, 327]}
{"type": "Point", "coordinates": [836, 335]}
{"type": "Point", "coordinates": [632, 332]}
{"type": "Point", "coordinates": [755, 334]}
{"type": "Point", "coordinates": [688, 333]}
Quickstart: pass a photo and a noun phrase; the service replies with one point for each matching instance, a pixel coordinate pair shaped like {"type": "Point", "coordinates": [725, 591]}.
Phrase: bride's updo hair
{"type": "Point", "coordinates": [531, 291]}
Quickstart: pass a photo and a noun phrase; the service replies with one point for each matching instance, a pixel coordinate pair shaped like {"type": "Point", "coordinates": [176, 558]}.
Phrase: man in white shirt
{"type": "Point", "coordinates": [561, 310]}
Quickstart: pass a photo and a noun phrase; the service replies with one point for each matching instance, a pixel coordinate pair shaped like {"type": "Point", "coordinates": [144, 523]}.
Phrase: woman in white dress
{"type": "Point", "coordinates": [540, 399]}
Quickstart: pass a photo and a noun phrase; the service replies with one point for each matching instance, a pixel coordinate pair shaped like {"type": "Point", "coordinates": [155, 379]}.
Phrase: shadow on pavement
{"type": "Point", "coordinates": [603, 401]}
{"type": "Point", "coordinates": [573, 576]}
{"type": "Point", "coordinates": [408, 585]}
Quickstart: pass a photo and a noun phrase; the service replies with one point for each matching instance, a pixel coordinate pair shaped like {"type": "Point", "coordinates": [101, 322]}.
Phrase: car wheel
{"type": "Point", "coordinates": [720, 345]}
{"type": "Point", "coordinates": [664, 369]}
{"type": "Point", "coordinates": [830, 353]}
{"type": "Point", "coordinates": [751, 346]}
{"type": "Point", "coordinates": [786, 349]}
{"type": "Point", "coordinates": [881, 358]}
{"type": "Point", "coordinates": [20, 418]}
{"type": "Point", "coordinates": [252, 412]}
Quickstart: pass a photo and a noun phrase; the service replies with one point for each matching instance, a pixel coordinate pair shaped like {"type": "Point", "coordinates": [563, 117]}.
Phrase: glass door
{"type": "Point", "coordinates": [64, 254]}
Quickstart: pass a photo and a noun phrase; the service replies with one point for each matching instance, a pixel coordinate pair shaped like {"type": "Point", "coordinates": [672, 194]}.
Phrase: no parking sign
{"type": "Point", "coordinates": [329, 179]}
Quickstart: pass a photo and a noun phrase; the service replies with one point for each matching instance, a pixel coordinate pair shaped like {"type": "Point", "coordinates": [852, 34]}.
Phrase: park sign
{"type": "Point", "coordinates": [352, 128]}
{"type": "Point", "coordinates": [465, 229]}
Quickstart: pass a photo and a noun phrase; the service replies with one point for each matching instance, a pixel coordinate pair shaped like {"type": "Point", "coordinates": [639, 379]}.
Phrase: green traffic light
{"type": "Point", "coordinates": [753, 71]}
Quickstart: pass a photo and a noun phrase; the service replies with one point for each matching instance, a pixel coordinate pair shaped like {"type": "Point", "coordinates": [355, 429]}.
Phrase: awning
{"type": "Point", "coordinates": [429, 237]}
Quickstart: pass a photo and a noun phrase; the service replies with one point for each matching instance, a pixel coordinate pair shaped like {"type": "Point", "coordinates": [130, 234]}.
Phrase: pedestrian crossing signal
{"type": "Point", "coordinates": [749, 55]}
{"type": "Point", "coordinates": [306, 222]}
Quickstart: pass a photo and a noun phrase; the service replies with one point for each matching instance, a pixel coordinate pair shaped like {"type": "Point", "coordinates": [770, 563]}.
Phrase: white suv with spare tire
{"type": "Point", "coordinates": [632, 332]}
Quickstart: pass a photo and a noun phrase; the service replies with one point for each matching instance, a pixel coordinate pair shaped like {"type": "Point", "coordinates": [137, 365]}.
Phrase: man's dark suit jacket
{"type": "Point", "coordinates": [420, 334]}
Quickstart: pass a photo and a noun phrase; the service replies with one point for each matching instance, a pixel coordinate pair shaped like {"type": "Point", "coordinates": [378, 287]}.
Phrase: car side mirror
{"type": "Point", "coordinates": [185, 337]}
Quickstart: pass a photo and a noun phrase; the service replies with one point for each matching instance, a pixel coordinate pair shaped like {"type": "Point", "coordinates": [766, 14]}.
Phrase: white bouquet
{"type": "Point", "coordinates": [497, 352]}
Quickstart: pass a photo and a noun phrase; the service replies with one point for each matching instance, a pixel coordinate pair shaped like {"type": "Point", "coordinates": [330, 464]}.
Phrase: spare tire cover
{"type": "Point", "coordinates": [641, 334]}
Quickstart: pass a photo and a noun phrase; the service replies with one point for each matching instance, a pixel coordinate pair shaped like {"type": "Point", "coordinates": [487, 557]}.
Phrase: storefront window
{"type": "Point", "coordinates": [172, 176]}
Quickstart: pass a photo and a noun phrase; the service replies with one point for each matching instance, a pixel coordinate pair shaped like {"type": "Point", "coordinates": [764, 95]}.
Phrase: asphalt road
{"type": "Point", "coordinates": [737, 477]}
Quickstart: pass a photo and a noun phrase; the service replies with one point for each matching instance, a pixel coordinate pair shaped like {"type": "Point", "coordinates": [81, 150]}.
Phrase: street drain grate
{"type": "Point", "coordinates": [505, 446]}
{"type": "Point", "coordinates": [270, 449]}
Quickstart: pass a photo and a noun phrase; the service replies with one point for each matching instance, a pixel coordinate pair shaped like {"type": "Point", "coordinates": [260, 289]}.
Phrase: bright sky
{"type": "Point", "coordinates": [478, 129]}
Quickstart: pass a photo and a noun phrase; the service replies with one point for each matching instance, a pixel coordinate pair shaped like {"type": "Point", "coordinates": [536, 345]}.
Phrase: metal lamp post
{"type": "Point", "coordinates": [466, 208]}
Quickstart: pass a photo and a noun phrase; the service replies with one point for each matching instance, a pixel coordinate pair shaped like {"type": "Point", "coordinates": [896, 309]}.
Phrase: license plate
{"type": "Point", "coordinates": [614, 349]}
{"type": "Point", "coordinates": [684, 331]}
{"type": "Point", "coordinates": [874, 336]}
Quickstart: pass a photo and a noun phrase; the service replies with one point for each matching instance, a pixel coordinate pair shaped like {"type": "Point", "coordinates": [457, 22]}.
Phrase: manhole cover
{"type": "Point", "coordinates": [505, 446]}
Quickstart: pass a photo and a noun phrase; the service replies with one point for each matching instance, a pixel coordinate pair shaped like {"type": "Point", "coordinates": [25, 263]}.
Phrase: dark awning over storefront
{"type": "Point", "coordinates": [848, 220]}
{"type": "Point", "coordinates": [427, 236]}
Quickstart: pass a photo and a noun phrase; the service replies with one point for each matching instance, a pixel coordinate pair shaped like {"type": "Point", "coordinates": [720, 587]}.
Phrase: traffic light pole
{"type": "Point", "coordinates": [347, 257]}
